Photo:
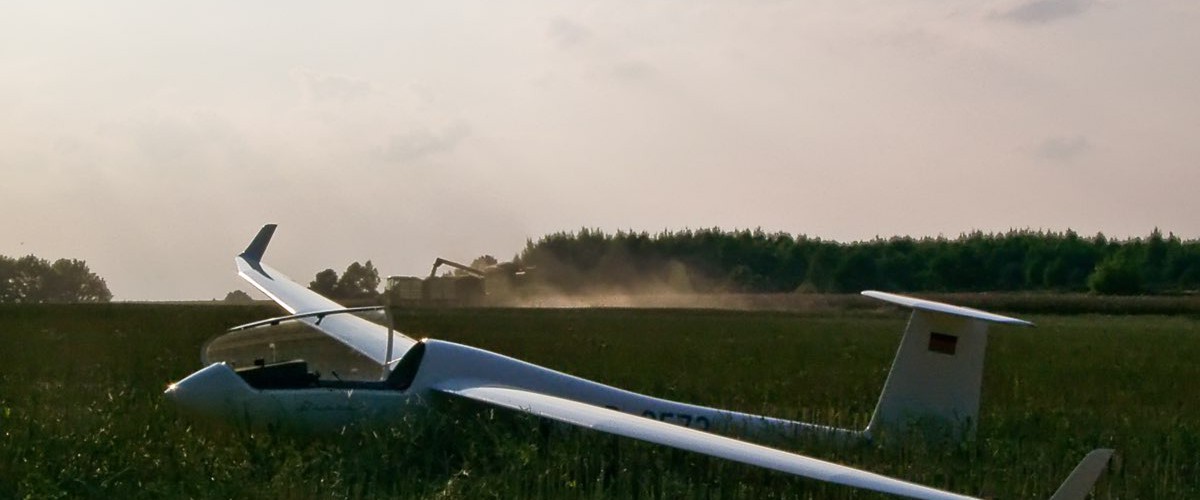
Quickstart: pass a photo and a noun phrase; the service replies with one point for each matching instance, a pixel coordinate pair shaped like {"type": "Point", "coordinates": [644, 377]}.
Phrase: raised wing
{"type": "Point", "coordinates": [285, 292]}
{"type": "Point", "coordinates": [645, 429]}
{"type": "Point", "coordinates": [365, 337]}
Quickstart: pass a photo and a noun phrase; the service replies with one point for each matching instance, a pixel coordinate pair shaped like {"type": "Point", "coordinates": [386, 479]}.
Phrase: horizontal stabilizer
{"type": "Point", "coordinates": [938, 307]}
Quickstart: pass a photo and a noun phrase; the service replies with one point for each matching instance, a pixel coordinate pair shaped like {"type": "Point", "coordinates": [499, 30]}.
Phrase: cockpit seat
{"type": "Point", "coordinates": [291, 374]}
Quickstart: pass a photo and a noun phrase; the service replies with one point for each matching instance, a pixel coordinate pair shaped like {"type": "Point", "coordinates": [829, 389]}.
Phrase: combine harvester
{"type": "Point", "coordinates": [493, 285]}
{"type": "Point", "coordinates": [936, 375]}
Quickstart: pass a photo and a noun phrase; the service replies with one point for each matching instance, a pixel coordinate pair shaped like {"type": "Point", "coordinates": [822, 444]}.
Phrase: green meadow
{"type": "Point", "coordinates": [82, 413]}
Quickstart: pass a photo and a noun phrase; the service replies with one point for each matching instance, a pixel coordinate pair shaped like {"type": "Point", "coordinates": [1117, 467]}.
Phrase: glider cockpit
{"type": "Point", "coordinates": [291, 355]}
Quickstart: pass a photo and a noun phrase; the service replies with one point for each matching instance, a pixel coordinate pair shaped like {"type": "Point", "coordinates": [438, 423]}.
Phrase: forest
{"type": "Point", "coordinates": [755, 261]}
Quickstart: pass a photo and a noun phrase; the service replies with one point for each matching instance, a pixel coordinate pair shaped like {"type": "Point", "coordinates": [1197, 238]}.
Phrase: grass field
{"type": "Point", "coordinates": [82, 414]}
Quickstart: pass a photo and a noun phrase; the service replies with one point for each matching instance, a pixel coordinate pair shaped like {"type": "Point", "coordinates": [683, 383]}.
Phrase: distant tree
{"type": "Point", "coordinates": [483, 262]}
{"type": "Point", "coordinates": [360, 281]}
{"type": "Point", "coordinates": [238, 297]}
{"type": "Point", "coordinates": [821, 266]}
{"type": "Point", "coordinates": [32, 280]}
{"type": "Point", "coordinates": [8, 274]}
{"type": "Point", "coordinates": [30, 273]}
{"type": "Point", "coordinates": [757, 261]}
{"type": "Point", "coordinates": [856, 272]}
{"type": "Point", "coordinates": [325, 283]}
{"type": "Point", "coordinates": [70, 280]}
{"type": "Point", "coordinates": [1154, 255]}
{"type": "Point", "coordinates": [1189, 279]}
{"type": "Point", "coordinates": [1117, 275]}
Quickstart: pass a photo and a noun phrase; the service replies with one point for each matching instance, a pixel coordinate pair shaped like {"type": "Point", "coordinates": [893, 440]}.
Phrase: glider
{"type": "Point", "coordinates": [936, 374]}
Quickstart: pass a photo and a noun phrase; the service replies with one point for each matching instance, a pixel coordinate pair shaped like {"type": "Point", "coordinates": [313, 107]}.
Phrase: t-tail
{"type": "Point", "coordinates": [937, 374]}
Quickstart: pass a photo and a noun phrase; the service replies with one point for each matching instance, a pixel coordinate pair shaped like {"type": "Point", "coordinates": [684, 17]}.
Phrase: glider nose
{"type": "Point", "coordinates": [210, 391]}
{"type": "Point", "coordinates": [178, 393]}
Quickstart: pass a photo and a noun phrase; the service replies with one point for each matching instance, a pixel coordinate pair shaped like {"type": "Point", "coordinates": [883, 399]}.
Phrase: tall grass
{"type": "Point", "coordinates": [82, 415]}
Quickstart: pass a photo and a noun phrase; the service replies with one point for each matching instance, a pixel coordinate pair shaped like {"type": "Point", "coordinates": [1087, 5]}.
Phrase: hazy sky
{"type": "Point", "coordinates": [152, 139]}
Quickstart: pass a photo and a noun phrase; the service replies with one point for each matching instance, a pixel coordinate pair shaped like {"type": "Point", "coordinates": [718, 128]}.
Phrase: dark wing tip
{"type": "Point", "coordinates": [258, 246]}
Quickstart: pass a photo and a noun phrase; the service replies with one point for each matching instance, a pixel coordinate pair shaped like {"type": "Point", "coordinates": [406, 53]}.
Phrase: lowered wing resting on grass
{"type": "Point", "coordinates": [1077, 485]}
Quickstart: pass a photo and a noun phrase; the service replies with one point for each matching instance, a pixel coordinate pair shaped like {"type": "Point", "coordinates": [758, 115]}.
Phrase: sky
{"type": "Point", "coordinates": [153, 139]}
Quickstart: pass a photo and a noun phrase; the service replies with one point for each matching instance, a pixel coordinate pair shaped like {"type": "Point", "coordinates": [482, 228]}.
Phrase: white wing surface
{"type": "Point", "coordinates": [365, 337]}
{"type": "Point", "coordinates": [645, 429]}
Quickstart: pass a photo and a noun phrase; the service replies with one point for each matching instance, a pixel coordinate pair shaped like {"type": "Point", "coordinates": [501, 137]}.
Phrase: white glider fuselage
{"type": "Point", "coordinates": [217, 391]}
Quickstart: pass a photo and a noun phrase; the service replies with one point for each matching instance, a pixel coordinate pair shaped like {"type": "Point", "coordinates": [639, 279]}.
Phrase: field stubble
{"type": "Point", "coordinates": [82, 412]}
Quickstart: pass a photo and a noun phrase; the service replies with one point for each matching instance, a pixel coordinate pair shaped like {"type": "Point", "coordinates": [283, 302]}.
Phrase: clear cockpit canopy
{"type": "Point", "coordinates": [293, 340]}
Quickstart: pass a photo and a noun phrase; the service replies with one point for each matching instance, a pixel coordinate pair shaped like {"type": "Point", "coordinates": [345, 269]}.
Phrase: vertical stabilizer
{"type": "Point", "coordinates": [937, 374]}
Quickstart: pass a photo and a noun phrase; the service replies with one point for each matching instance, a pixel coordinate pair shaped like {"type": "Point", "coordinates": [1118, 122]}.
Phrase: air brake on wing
{"type": "Point", "coordinates": [320, 315]}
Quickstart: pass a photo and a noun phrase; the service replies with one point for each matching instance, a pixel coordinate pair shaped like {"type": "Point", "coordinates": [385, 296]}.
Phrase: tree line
{"type": "Point", "coordinates": [754, 261]}
{"type": "Point", "coordinates": [30, 279]}
{"type": "Point", "coordinates": [359, 281]}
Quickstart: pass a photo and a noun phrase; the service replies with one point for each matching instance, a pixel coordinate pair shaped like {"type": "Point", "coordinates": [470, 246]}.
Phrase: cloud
{"type": "Point", "coordinates": [418, 144]}
{"type": "Point", "coordinates": [1062, 148]}
{"type": "Point", "coordinates": [566, 33]}
{"type": "Point", "coordinates": [632, 70]}
{"type": "Point", "coordinates": [173, 142]}
{"type": "Point", "coordinates": [333, 88]}
{"type": "Point", "coordinates": [1044, 11]}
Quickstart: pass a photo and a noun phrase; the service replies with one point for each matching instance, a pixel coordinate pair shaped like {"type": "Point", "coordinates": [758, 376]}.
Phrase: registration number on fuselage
{"type": "Point", "coordinates": [684, 419]}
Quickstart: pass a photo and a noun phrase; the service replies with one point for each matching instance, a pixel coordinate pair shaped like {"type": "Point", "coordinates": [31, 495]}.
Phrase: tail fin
{"type": "Point", "coordinates": [1083, 478]}
{"type": "Point", "coordinates": [938, 369]}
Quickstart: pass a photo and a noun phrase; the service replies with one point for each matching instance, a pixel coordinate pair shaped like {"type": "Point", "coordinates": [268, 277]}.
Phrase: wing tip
{"type": "Point", "coordinates": [258, 246]}
{"type": "Point", "coordinates": [1083, 478]}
